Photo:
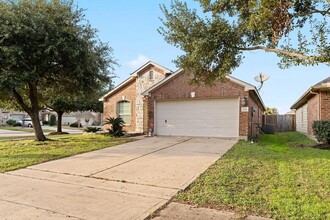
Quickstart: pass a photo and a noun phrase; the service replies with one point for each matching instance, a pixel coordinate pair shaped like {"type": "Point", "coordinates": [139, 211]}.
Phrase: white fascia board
{"type": "Point", "coordinates": [130, 79]}
{"type": "Point", "coordinates": [135, 73]}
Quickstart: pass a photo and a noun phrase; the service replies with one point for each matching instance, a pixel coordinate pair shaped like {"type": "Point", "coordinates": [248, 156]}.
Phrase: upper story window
{"type": "Point", "coordinates": [151, 74]}
{"type": "Point", "coordinates": [124, 111]}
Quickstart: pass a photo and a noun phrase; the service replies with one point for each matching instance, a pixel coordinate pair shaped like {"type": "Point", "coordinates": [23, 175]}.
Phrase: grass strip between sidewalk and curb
{"type": "Point", "coordinates": [16, 154]}
{"type": "Point", "coordinates": [281, 177]}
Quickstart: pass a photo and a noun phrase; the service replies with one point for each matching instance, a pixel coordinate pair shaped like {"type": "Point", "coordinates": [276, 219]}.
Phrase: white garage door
{"type": "Point", "coordinates": [203, 118]}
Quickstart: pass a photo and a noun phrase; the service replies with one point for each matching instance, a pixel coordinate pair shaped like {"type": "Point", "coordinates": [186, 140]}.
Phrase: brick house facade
{"type": "Point", "coordinates": [313, 105]}
{"type": "Point", "coordinates": [178, 88]}
{"type": "Point", "coordinates": [153, 83]}
{"type": "Point", "coordinates": [130, 91]}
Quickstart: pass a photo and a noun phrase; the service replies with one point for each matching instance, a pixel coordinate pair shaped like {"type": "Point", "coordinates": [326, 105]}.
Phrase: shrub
{"type": "Point", "coordinates": [92, 129]}
{"type": "Point", "coordinates": [45, 122]}
{"type": "Point", "coordinates": [10, 122]}
{"type": "Point", "coordinates": [322, 131]}
{"type": "Point", "coordinates": [117, 125]}
{"type": "Point", "coordinates": [74, 125]}
{"type": "Point", "coordinates": [17, 124]}
{"type": "Point", "coordinates": [52, 120]}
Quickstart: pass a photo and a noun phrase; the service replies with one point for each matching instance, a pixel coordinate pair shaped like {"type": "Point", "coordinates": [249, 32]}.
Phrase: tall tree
{"type": "Point", "coordinates": [48, 44]}
{"type": "Point", "coordinates": [271, 111]}
{"type": "Point", "coordinates": [296, 30]}
{"type": "Point", "coordinates": [75, 102]}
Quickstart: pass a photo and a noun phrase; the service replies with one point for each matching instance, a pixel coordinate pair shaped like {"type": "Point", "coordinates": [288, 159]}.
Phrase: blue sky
{"type": "Point", "coordinates": [130, 28]}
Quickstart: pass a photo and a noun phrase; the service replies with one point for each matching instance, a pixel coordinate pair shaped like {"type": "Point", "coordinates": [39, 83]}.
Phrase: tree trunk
{"type": "Point", "coordinates": [59, 121]}
{"type": "Point", "coordinates": [37, 126]}
{"type": "Point", "coordinates": [33, 111]}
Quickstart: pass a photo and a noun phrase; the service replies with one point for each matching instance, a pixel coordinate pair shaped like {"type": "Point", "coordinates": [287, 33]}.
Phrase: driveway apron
{"type": "Point", "coordinates": [129, 181]}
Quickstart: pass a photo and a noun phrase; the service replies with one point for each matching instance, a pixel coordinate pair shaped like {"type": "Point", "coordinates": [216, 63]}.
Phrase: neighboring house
{"type": "Point", "coordinates": [14, 115]}
{"type": "Point", "coordinates": [173, 107]}
{"type": "Point", "coordinates": [313, 105]}
{"type": "Point", "coordinates": [86, 118]}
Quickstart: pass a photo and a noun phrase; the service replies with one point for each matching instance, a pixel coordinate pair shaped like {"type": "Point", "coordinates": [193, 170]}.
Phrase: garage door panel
{"type": "Point", "coordinates": [209, 118]}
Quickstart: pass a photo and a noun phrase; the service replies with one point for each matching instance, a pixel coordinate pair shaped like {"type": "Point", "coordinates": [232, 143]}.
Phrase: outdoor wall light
{"type": "Point", "coordinates": [244, 101]}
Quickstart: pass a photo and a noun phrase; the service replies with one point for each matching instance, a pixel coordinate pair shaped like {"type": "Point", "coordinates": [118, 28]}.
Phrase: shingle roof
{"type": "Point", "coordinates": [324, 84]}
{"type": "Point", "coordinates": [327, 80]}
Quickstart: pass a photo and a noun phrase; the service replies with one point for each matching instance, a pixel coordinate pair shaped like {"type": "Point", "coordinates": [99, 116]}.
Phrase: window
{"type": "Point", "coordinates": [124, 111]}
{"type": "Point", "coordinates": [151, 75]}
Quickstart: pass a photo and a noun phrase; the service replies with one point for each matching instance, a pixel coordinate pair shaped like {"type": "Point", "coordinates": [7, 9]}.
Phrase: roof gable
{"type": "Point", "coordinates": [247, 86]}
{"type": "Point", "coordinates": [320, 86]}
{"type": "Point", "coordinates": [133, 77]}
{"type": "Point", "coordinates": [146, 65]}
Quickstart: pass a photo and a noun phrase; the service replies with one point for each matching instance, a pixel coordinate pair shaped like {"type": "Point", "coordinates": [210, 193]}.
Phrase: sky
{"type": "Point", "coordinates": [130, 28]}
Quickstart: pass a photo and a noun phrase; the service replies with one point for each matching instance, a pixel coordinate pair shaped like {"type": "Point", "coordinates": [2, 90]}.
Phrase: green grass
{"type": "Point", "coordinates": [278, 178]}
{"type": "Point", "coordinates": [15, 154]}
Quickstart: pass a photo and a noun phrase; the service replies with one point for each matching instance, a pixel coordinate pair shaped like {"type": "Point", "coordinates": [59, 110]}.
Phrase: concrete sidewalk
{"type": "Point", "coordinates": [129, 181]}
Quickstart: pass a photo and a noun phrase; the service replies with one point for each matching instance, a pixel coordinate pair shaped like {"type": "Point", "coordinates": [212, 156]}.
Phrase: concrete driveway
{"type": "Point", "coordinates": [129, 181]}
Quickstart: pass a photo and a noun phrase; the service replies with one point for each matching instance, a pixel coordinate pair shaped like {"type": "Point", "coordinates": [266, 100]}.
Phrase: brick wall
{"type": "Point", "coordinates": [179, 88]}
{"type": "Point", "coordinates": [313, 113]}
{"type": "Point", "coordinates": [110, 104]}
{"type": "Point", "coordinates": [325, 105]}
{"type": "Point", "coordinates": [255, 115]}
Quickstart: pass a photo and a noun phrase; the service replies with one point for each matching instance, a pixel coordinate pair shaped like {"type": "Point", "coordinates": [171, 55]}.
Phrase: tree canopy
{"type": "Point", "coordinates": [75, 102]}
{"type": "Point", "coordinates": [296, 30]}
{"type": "Point", "coordinates": [271, 111]}
{"type": "Point", "coordinates": [48, 44]}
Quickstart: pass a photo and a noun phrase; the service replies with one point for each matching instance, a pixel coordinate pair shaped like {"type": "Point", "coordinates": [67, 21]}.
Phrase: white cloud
{"type": "Point", "coordinates": [138, 62]}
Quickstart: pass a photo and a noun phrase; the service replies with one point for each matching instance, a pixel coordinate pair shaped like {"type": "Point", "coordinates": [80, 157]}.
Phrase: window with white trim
{"type": "Point", "coordinates": [124, 111]}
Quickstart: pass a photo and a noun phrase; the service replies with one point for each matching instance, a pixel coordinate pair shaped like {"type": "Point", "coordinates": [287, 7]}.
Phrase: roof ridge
{"type": "Point", "coordinates": [323, 81]}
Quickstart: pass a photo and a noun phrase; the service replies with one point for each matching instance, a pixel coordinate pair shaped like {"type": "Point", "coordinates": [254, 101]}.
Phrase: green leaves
{"type": "Point", "coordinates": [321, 130]}
{"type": "Point", "coordinates": [213, 44]}
{"type": "Point", "coordinates": [117, 126]}
{"type": "Point", "coordinates": [209, 44]}
{"type": "Point", "coordinates": [47, 45]}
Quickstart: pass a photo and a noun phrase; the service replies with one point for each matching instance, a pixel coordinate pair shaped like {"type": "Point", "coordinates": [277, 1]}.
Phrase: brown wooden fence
{"type": "Point", "coordinates": [283, 123]}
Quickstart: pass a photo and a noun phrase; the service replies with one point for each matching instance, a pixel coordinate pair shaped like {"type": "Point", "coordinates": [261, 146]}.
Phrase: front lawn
{"type": "Point", "coordinates": [15, 154]}
{"type": "Point", "coordinates": [279, 177]}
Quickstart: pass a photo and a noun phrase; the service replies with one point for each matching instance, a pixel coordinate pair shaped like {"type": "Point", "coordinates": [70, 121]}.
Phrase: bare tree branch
{"type": "Point", "coordinates": [284, 52]}
{"type": "Point", "coordinates": [20, 101]}
{"type": "Point", "coordinates": [315, 11]}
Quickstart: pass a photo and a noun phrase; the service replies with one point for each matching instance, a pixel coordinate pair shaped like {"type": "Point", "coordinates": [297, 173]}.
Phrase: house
{"type": "Point", "coordinates": [313, 105]}
{"type": "Point", "coordinates": [173, 107]}
{"type": "Point", "coordinates": [127, 101]}
{"type": "Point", "coordinates": [5, 115]}
{"type": "Point", "coordinates": [86, 118]}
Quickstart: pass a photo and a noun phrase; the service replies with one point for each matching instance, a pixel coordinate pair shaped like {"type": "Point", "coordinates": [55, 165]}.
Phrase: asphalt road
{"type": "Point", "coordinates": [7, 133]}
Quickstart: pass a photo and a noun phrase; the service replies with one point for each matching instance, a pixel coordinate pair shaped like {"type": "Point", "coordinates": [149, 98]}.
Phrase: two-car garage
{"type": "Point", "coordinates": [227, 109]}
{"type": "Point", "coordinates": [198, 117]}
